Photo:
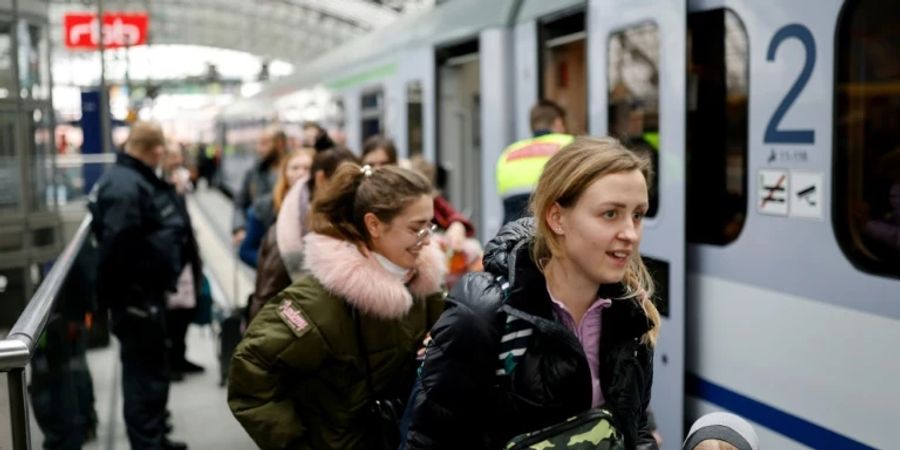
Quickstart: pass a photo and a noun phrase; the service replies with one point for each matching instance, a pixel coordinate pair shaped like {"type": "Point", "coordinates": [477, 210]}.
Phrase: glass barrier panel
{"type": "Point", "coordinates": [7, 80]}
{"type": "Point", "coordinates": [68, 187]}
{"type": "Point", "coordinates": [43, 194]}
{"type": "Point", "coordinates": [34, 79]}
{"type": "Point", "coordinates": [10, 165]}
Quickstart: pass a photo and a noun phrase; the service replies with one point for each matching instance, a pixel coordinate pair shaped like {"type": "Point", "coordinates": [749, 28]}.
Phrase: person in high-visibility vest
{"type": "Point", "coordinates": [520, 165]}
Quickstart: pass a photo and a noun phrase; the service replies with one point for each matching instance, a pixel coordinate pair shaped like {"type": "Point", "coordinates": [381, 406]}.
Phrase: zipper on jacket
{"type": "Point", "coordinates": [552, 328]}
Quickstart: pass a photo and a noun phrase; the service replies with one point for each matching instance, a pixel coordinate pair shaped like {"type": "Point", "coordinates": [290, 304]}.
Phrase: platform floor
{"type": "Point", "coordinates": [200, 414]}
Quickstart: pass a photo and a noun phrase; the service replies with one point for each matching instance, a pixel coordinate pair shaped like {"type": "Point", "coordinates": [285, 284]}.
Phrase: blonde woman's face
{"type": "Point", "coordinates": [297, 168]}
{"type": "Point", "coordinates": [601, 233]}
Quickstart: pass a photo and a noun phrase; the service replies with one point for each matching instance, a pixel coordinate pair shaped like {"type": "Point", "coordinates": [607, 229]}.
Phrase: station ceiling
{"type": "Point", "coordinates": [290, 30]}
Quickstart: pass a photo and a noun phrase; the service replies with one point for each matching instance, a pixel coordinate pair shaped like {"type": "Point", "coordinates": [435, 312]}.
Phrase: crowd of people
{"type": "Point", "coordinates": [378, 320]}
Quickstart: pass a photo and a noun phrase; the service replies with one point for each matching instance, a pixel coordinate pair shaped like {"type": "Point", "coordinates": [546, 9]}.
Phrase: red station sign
{"type": "Point", "coordinates": [120, 29]}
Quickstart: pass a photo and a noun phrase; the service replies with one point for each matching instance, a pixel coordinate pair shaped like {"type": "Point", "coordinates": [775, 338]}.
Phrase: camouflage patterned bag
{"type": "Point", "coordinates": [590, 430]}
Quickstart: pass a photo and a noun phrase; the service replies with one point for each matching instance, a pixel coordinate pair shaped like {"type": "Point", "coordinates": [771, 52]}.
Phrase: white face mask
{"type": "Point", "coordinates": [395, 270]}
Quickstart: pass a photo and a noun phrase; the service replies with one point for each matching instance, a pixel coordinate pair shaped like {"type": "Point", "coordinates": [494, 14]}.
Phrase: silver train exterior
{"type": "Point", "coordinates": [773, 125]}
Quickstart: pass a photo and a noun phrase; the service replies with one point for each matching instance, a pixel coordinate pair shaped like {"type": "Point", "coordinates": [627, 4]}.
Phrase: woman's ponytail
{"type": "Point", "coordinates": [332, 212]}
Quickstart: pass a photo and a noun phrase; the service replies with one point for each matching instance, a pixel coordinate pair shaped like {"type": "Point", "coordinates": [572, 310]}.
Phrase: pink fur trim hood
{"type": "Point", "coordinates": [361, 280]}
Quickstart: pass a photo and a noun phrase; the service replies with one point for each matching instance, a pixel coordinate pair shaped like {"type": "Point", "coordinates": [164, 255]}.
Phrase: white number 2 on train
{"type": "Point", "coordinates": [774, 135]}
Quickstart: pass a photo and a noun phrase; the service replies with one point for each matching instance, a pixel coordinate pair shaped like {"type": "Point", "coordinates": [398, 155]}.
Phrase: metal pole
{"type": "Point", "coordinates": [18, 409]}
{"type": "Point", "coordinates": [104, 97]}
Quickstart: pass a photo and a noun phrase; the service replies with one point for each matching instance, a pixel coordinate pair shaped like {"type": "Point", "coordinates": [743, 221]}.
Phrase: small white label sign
{"type": "Point", "coordinates": [806, 195]}
{"type": "Point", "coordinates": [774, 186]}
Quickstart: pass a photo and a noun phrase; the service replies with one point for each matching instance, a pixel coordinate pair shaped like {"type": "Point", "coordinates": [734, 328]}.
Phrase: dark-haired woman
{"type": "Point", "coordinates": [298, 379]}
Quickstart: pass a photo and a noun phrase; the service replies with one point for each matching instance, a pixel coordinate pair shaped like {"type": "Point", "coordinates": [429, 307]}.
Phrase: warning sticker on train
{"type": "Point", "coordinates": [806, 195]}
{"type": "Point", "coordinates": [773, 192]}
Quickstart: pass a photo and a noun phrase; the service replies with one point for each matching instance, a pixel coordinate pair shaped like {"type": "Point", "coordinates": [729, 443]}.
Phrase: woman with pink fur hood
{"type": "Point", "coordinates": [317, 356]}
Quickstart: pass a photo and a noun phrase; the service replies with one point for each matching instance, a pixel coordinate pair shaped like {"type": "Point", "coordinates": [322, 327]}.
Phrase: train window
{"type": "Point", "coordinates": [717, 121]}
{"type": "Point", "coordinates": [866, 212]}
{"type": "Point", "coordinates": [633, 76]}
{"type": "Point", "coordinates": [564, 67]}
{"type": "Point", "coordinates": [337, 113]}
{"type": "Point", "coordinates": [414, 119]}
{"type": "Point", "coordinates": [371, 111]}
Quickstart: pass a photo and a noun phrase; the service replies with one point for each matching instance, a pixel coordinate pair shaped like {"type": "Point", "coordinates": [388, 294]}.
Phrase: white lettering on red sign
{"type": "Point", "coordinates": [119, 30]}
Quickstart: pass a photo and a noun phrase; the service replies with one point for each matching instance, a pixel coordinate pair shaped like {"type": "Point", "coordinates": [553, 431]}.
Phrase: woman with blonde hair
{"type": "Point", "coordinates": [280, 259]}
{"type": "Point", "coordinates": [560, 323]}
{"type": "Point", "coordinates": [264, 210]}
{"type": "Point", "coordinates": [317, 356]}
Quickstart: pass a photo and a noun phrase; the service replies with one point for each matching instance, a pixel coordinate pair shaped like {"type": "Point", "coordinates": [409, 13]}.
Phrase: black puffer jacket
{"type": "Point", "coordinates": [468, 400]}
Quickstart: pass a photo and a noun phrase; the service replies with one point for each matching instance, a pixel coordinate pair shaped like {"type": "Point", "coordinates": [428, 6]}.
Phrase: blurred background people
{"type": "Point", "coordinates": [379, 151]}
{"type": "Point", "coordinates": [261, 215]}
{"type": "Point", "coordinates": [281, 253]}
{"type": "Point", "coordinates": [259, 180]}
{"type": "Point", "coordinates": [181, 305]}
{"type": "Point", "coordinates": [314, 136]}
{"type": "Point", "coordinates": [208, 159]}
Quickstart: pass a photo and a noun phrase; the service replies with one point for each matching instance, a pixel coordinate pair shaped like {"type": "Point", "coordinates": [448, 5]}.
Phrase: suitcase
{"type": "Point", "coordinates": [231, 330]}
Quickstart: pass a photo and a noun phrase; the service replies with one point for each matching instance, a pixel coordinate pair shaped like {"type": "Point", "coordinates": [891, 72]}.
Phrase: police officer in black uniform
{"type": "Point", "coordinates": [141, 232]}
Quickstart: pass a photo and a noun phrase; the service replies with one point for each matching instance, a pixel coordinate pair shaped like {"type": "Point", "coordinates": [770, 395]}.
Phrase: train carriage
{"type": "Point", "coordinates": [774, 126]}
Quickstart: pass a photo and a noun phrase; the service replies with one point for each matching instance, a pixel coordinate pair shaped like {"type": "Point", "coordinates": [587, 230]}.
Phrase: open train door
{"type": "Point", "coordinates": [637, 77]}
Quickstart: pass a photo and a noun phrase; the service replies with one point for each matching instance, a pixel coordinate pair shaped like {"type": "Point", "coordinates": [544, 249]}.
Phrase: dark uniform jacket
{"type": "Point", "coordinates": [297, 380]}
{"type": "Point", "coordinates": [258, 181]}
{"type": "Point", "coordinates": [142, 231]}
{"type": "Point", "coordinates": [474, 396]}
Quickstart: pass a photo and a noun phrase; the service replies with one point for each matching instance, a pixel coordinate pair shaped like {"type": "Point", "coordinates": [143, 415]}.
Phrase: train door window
{"type": "Point", "coordinates": [459, 125]}
{"type": "Point", "coordinates": [717, 122]}
{"type": "Point", "coordinates": [633, 88]}
{"type": "Point", "coordinates": [414, 119]}
{"type": "Point", "coordinates": [336, 113]}
{"type": "Point", "coordinates": [866, 212]}
{"type": "Point", "coordinates": [371, 113]}
{"type": "Point", "coordinates": [564, 69]}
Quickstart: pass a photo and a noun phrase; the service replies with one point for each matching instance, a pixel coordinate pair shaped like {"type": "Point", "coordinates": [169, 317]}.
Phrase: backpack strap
{"type": "Point", "coordinates": [516, 334]}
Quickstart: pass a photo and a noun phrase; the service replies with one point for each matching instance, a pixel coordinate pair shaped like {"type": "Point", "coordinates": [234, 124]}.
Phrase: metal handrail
{"type": "Point", "coordinates": [81, 159]}
{"type": "Point", "coordinates": [17, 349]}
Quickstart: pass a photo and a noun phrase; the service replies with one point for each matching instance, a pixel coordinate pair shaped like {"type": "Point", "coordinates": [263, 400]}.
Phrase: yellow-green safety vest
{"type": "Point", "coordinates": [520, 165]}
